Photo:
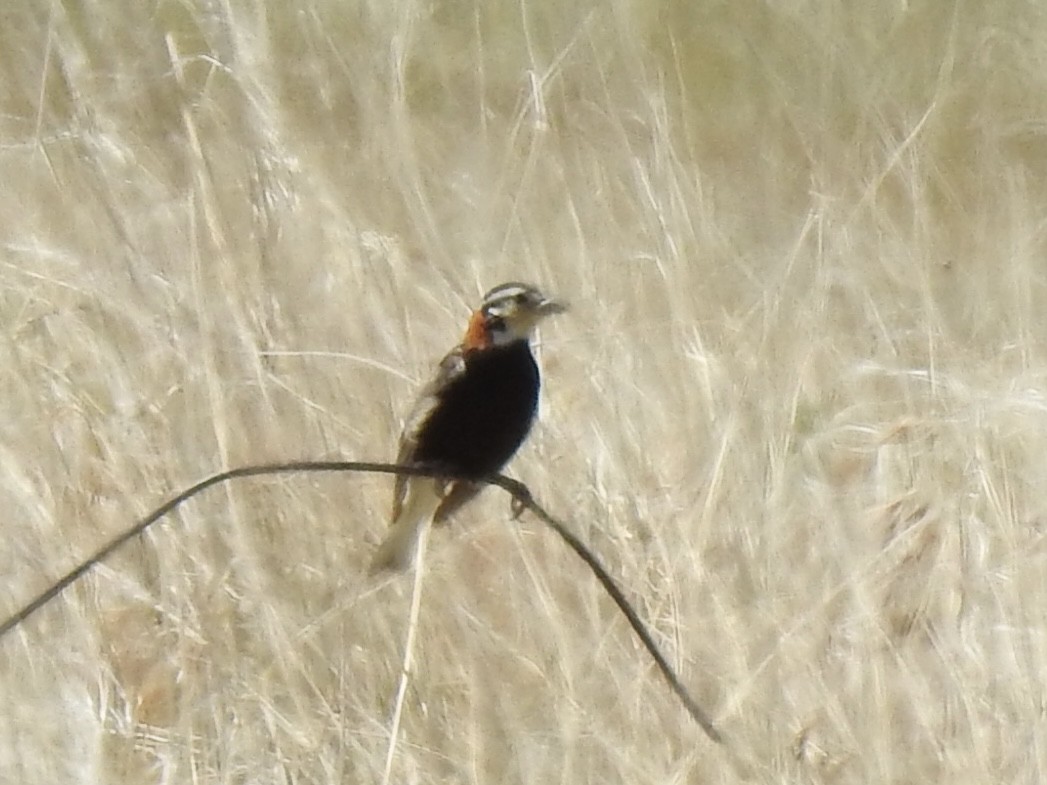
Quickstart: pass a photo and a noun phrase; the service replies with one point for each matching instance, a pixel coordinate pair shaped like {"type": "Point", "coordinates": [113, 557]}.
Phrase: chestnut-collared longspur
{"type": "Point", "coordinates": [470, 419]}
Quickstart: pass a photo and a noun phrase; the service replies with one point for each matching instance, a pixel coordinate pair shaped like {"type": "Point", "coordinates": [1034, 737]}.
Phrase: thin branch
{"type": "Point", "coordinates": [522, 499]}
{"type": "Point", "coordinates": [522, 495]}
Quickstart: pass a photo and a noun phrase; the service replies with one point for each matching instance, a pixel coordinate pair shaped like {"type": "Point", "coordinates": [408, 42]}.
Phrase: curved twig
{"type": "Point", "coordinates": [522, 495]}
{"type": "Point", "coordinates": [522, 499]}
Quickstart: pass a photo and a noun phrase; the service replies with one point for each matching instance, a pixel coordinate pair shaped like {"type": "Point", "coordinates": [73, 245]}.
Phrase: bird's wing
{"type": "Point", "coordinates": [451, 366]}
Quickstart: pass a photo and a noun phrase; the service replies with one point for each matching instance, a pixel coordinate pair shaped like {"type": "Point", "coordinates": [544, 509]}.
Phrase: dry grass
{"type": "Point", "coordinates": [799, 407]}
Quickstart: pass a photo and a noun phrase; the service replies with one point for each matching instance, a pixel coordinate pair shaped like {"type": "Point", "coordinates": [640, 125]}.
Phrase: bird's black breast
{"type": "Point", "coordinates": [484, 414]}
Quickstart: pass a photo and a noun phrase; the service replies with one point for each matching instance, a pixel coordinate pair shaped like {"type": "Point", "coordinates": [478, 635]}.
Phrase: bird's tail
{"type": "Point", "coordinates": [397, 550]}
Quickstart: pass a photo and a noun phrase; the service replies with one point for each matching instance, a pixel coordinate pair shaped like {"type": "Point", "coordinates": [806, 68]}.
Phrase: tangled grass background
{"type": "Point", "coordinates": [798, 408]}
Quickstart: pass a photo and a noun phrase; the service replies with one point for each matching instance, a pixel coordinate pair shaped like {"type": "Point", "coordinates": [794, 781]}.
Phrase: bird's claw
{"type": "Point", "coordinates": [521, 497]}
{"type": "Point", "coordinates": [518, 506]}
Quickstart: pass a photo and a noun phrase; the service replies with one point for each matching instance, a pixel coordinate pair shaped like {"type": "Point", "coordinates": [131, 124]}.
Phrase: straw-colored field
{"type": "Point", "coordinates": [799, 407]}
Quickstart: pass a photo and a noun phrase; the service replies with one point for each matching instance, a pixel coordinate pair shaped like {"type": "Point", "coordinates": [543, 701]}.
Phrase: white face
{"type": "Point", "coordinates": [513, 310]}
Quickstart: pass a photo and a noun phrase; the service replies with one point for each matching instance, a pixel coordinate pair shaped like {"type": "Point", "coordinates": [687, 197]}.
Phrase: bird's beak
{"type": "Point", "coordinates": [551, 307]}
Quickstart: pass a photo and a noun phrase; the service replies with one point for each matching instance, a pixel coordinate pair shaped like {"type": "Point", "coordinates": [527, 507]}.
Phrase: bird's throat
{"type": "Point", "coordinates": [477, 336]}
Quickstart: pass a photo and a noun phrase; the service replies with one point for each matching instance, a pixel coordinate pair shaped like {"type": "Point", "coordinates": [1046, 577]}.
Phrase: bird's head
{"type": "Point", "coordinates": [509, 313]}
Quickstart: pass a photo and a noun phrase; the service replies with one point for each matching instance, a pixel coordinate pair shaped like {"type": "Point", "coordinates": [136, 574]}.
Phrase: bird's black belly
{"type": "Point", "coordinates": [484, 414]}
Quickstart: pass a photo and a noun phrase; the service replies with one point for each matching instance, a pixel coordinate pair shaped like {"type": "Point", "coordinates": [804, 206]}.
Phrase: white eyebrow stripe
{"type": "Point", "coordinates": [507, 291]}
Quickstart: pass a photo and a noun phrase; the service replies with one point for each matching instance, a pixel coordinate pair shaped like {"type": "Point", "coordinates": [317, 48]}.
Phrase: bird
{"type": "Point", "coordinates": [470, 419]}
